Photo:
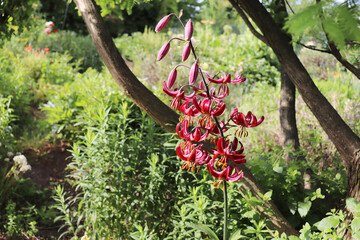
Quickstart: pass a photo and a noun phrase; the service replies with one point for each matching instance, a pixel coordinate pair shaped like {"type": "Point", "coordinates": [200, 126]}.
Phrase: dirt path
{"type": "Point", "coordinates": [48, 164]}
{"type": "Point", "coordinates": [48, 169]}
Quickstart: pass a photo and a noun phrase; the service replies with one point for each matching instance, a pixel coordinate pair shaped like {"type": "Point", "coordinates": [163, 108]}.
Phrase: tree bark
{"type": "Point", "coordinates": [287, 113]}
{"type": "Point", "coordinates": [289, 133]}
{"type": "Point", "coordinates": [149, 103]}
{"type": "Point", "coordinates": [344, 139]}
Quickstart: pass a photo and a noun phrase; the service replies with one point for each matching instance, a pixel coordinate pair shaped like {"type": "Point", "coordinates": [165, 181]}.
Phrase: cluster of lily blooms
{"type": "Point", "coordinates": [204, 106]}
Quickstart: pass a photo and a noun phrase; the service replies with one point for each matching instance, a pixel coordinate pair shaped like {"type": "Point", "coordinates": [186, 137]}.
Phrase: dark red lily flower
{"type": "Point", "coordinates": [194, 135]}
{"type": "Point", "coordinates": [230, 151]}
{"type": "Point", "coordinates": [224, 164]}
{"type": "Point", "coordinates": [246, 121]}
{"type": "Point", "coordinates": [189, 111]}
{"type": "Point", "coordinates": [192, 154]}
{"type": "Point", "coordinates": [178, 95]}
{"type": "Point", "coordinates": [212, 128]}
{"type": "Point", "coordinates": [200, 90]}
{"type": "Point", "coordinates": [213, 108]}
{"type": "Point", "coordinates": [228, 174]}
{"type": "Point", "coordinates": [224, 89]}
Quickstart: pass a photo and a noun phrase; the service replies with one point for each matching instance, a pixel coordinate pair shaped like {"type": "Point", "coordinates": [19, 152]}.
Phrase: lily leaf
{"type": "Point", "coordinates": [204, 229]}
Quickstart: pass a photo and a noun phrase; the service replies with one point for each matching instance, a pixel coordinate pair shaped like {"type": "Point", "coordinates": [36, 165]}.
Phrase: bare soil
{"type": "Point", "coordinates": [48, 169]}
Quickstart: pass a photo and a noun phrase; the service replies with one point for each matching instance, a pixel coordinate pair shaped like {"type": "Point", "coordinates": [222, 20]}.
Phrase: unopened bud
{"type": "Point", "coordinates": [188, 30]}
{"type": "Point", "coordinates": [186, 52]}
{"type": "Point", "coordinates": [162, 23]}
{"type": "Point", "coordinates": [163, 51]}
{"type": "Point", "coordinates": [172, 78]}
{"type": "Point", "coordinates": [194, 72]}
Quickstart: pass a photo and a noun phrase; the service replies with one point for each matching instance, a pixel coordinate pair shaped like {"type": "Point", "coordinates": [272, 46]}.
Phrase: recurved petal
{"type": "Point", "coordinates": [168, 91]}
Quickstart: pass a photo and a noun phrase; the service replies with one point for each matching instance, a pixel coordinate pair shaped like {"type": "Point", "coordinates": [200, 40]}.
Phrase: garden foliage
{"type": "Point", "coordinates": [128, 183]}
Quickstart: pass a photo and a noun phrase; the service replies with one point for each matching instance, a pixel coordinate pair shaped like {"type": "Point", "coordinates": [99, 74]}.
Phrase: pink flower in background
{"type": "Point", "coordinates": [47, 30]}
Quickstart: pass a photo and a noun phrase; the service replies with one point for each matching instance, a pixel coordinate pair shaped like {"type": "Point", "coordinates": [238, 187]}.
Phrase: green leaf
{"type": "Point", "coordinates": [353, 205]}
{"type": "Point", "coordinates": [267, 195]}
{"type": "Point", "coordinates": [294, 238]}
{"type": "Point", "coordinates": [236, 235]}
{"type": "Point", "coordinates": [327, 223]}
{"type": "Point", "coordinates": [334, 32]}
{"type": "Point", "coordinates": [204, 229]}
{"type": "Point", "coordinates": [278, 169]}
{"type": "Point", "coordinates": [306, 232]}
{"type": "Point", "coordinates": [304, 20]}
{"type": "Point", "coordinates": [356, 235]}
{"type": "Point", "coordinates": [355, 224]}
{"type": "Point", "coordinates": [304, 208]}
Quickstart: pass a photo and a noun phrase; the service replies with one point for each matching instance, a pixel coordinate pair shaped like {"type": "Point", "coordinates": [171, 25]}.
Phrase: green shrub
{"type": "Point", "coordinates": [79, 48]}
{"type": "Point", "coordinates": [6, 134]}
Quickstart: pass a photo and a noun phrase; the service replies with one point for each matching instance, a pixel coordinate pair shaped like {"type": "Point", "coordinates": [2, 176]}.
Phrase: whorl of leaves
{"type": "Point", "coordinates": [340, 23]}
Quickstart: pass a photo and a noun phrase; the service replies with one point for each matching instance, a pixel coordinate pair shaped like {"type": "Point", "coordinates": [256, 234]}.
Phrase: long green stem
{"type": "Point", "coordinates": [225, 211]}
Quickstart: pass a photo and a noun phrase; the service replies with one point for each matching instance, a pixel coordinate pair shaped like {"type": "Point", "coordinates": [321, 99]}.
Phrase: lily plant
{"type": "Point", "coordinates": [201, 108]}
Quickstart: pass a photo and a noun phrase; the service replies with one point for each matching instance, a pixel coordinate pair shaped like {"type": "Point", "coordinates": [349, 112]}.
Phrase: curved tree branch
{"type": "Point", "coordinates": [336, 52]}
{"type": "Point", "coordinates": [247, 21]}
{"type": "Point", "coordinates": [123, 76]}
{"type": "Point", "coordinates": [314, 48]}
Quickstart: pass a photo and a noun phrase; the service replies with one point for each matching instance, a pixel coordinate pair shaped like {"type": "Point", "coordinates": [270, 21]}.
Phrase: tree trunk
{"type": "Point", "coordinates": [289, 129]}
{"type": "Point", "coordinates": [344, 139]}
{"type": "Point", "coordinates": [287, 112]}
{"type": "Point", "coordinates": [149, 103]}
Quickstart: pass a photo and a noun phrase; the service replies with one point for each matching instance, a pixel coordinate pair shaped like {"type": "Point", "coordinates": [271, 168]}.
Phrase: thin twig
{"type": "Point", "coordinates": [336, 52]}
{"type": "Point", "coordinates": [247, 21]}
{"type": "Point", "coordinates": [314, 48]}
{"type": "Point", "coordinates": [289, 7]}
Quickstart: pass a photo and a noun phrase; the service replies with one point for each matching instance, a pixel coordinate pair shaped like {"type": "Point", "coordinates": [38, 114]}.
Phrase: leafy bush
{"type": "Point", "coordinates": [79, 48]}
{"type": "Point", "coordinates": [116, 169]}
{"type": "Point", "coordinates": [6, 135]}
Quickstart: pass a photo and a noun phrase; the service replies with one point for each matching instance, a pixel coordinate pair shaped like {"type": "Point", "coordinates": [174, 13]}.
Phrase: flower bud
{"type": "Point", "coordinates": [172, 78]}
{"type": "Point", "coordinates": [188, 30]}
{"type": "Point", "coordinates": [194, 72]}
{"type": "Point", "coordinates": [163, 51]}
{"type": "Point", "coordinates": [186, 52]}
{"type": "Point", "coordinates": [162, 23]}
